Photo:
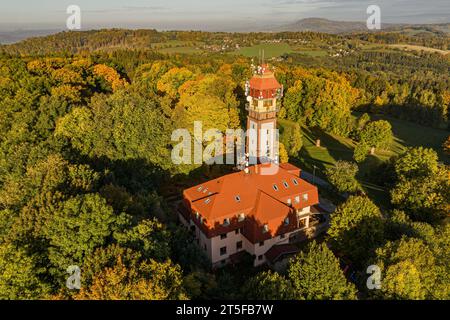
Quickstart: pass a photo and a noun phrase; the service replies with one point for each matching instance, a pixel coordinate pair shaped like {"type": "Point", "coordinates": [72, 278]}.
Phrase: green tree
{"type": "Point", "coordinates": [315, 275]}
{"type": "Point", "coordinates": [149, 237]}
{"type": "Point", "coordinates": [343, 176]}
{"type": "Point", "coordinates": [422, 187]}
{"type": "Point", "coordinates": [268, 285]}
{"type": "Point", "coordinates": [377, 134]}
{"type": "Point", "coordinates": [20, 277]}
{"type": "Point", "coordinates": [354, 222]}
{"type": "Point", "coordinates": [408, 268]}
{"type": "Point", "coordinates": [76, 227]}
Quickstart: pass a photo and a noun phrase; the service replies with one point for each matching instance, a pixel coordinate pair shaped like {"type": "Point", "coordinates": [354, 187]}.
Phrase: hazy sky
{"type": "Point", "coordinates": [211, 14]}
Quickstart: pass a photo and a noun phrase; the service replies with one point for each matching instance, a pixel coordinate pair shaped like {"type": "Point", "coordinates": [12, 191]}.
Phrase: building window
{"type": "Point", "coordinates": [265, 228]}
{"type": "Point", "coordinates": [193, 228]}
{"type": "Point", "coordinates": [286, 221]}
{"type": "Point", "coordinates": [305, 197]}
{"type": "Point", "coordinates": [223, 236]}
{"type": "Point", "coordinates": [223, 251]}
{"type": "Point", "coordinates": [239, 245]}
{"type": "Point", "coordinates": [204, 247]}
{"type": "Point", "coordinates": [289, 201]}
{"type": "Point", "coordinates": [236, 231]}
{"type": "Point", "coordinates": [282, 236]}
{"type": "Point", "coordinates": [226, 222]}
{"type": "Point", "coordinates": [223, 262]}
{"type": "Point", "coordinates": [261, 243]}
{"type": "Point", "coordinates": [241, 217]}
{"type": "Point", "coordinates": [297, 199]}
{"type": "Point", "coordinates": [260, 257]}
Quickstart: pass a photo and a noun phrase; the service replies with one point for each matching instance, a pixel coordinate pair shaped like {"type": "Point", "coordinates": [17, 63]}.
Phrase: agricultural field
{"type": "Point", "coordinates": [271, 50]}
{"type": "Point", "coordinates": [408, 47]}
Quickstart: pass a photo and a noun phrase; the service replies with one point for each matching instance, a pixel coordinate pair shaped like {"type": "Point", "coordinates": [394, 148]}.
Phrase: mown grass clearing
{"type": "Point", "coordinates": [271, 50]}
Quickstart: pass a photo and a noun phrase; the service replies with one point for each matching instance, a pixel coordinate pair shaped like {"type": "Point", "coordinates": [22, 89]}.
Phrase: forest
{"type": "Point", "coordinates": [86, 176]}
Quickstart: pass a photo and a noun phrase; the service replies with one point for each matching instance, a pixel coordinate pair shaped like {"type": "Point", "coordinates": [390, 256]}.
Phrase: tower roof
{"type": "Point", "coordinates": [264, 79]}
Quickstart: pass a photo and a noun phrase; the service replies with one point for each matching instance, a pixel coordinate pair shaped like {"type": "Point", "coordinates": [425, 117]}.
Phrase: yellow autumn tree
{"type": "Point", "coordinates": [146, 281]}
{"type": "Point", "coordinates": [110, 75]}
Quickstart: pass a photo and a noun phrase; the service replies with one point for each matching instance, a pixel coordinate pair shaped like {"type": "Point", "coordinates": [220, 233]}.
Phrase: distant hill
{"type": "Point", "coordinates": [7, 37]}
{"type": "Point", "coordinates": [336, 27]}
{"type": "Point", "coordinates": [327, 26]}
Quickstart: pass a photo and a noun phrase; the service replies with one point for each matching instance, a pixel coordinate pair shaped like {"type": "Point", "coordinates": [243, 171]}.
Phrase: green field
{"type": "Point", "coordinates": [334, 148]}
{"type": "Point", "coordinates": [271, 50]}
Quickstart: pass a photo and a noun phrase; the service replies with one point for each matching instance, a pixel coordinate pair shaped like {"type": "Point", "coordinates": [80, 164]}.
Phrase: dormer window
{"type": "Point", "coordinates": [289, 201]}
{"type": "Point", "coordinates": [305, 196]}
{"type": "Point", "coordinates": [241, 217]}
{"type": "Point", "coordinates": [226, 222]}
{"type": "Point", "coordinates": [200, 188]}
{"type": "Point", "coordinates": [275, 187]}
{"type": "Point", "coordinates": [285, 184]}
{"type": "Point", "coordinates": [237, 198]}
{"type": "Point", "coordinates": [207, 200]}
{"type": "Point", "coordinates": [295, 181]}
{"type": "Point", "coordinates": [265, 228]}
{"type": "Point", "coordinates": [205, 190]}
{"type": "Point", "coordinates": [197, 215]}
{"type": "Point", "coordinates": [297, 199]}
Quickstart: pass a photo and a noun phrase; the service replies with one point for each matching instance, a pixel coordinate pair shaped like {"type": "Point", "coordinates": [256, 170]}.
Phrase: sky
{"type": "Point", "coordinates": [211, 15]}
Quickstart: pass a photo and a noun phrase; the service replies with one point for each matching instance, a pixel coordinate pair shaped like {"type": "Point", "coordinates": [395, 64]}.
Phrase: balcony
{"type": "Point", "coordinates": [264, 110]}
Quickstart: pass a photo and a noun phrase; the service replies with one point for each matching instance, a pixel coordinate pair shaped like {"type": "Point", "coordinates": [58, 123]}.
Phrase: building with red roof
{"type": "Point", "coordinates": [262, 207]}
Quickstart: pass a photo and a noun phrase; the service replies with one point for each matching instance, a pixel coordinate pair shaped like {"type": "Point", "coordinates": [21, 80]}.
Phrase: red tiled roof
{"type": "Point", "coordinates": [261, 197]}
{"type": "Point", "coordinates": [264, 83]}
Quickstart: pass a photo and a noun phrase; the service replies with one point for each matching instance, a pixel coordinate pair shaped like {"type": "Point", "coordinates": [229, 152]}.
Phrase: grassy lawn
{"type": "Point", "coordinates": [271, 50]}
{"type": "Point", "coordinates": [334, 148]}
